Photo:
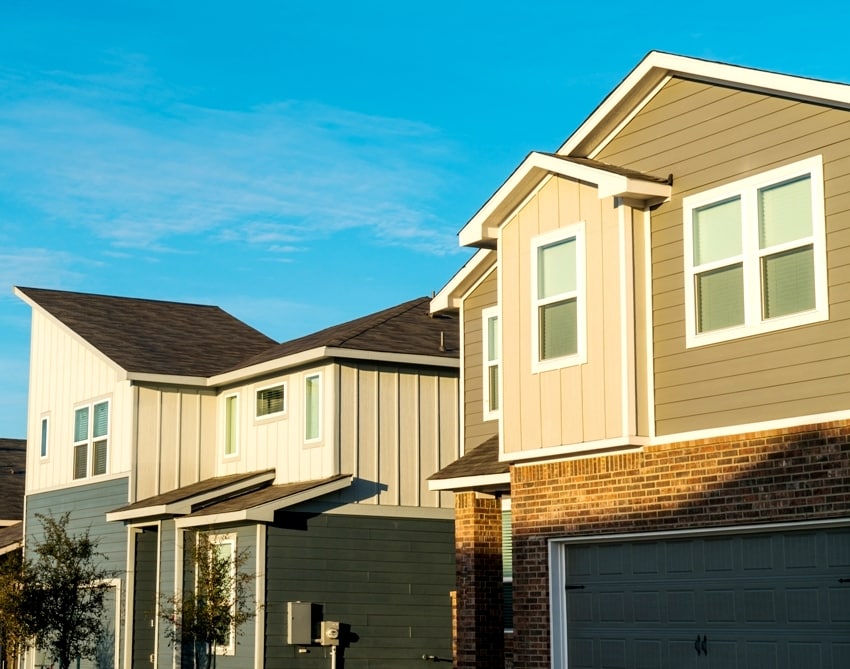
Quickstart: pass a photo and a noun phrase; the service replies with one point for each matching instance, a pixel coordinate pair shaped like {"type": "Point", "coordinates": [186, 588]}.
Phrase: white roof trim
{"type": "Point", "coordinates": [449, 297]}
{"type": "Point", "coordinates": [483, 228]}
{"type": "Point", "coordinates": [264, 513]}
{"type": "Point", "coordinates": [470, 482]}
{"type": "Point", "coordinates": [657, 65]}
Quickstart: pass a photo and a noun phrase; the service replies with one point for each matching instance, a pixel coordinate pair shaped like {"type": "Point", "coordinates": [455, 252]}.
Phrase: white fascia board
{"type": "Point", "coordinates": [657, 65]}
{"type": "Point", "coordinates": [264, 513]}
{"type": "Point", "coordinates": [395, 358]}
{"type": "Point", "coordinates": [483, 227]}
{"type": "Point", "coordinates": [470, 482]}
{"type": "Point", "coordinates": [269, 367]}
{"type": "Point", "coordinates": [449, 297]}
{"type": "Point", "coordinates": [168, 379]}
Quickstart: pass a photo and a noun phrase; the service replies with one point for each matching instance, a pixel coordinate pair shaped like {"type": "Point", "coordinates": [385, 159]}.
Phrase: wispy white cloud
{"type": "Point", "coordinates": [92, 152]}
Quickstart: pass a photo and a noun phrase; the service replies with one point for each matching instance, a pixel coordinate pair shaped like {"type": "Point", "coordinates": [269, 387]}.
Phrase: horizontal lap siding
{"type": "Point", "coordinates": [389, 579]}
{"type": "Point", "coordinates": [706, 136]}
{"type": "Point", "coordinates": [476, 429]}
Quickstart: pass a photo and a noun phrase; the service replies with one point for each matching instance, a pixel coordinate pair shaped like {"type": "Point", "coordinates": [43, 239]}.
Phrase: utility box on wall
{"type": "Point", "coordinates": [300, 619]}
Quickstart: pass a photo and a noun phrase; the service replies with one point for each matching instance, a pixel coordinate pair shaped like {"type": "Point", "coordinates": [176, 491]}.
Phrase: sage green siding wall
{"type": "Point", "coordinates": [388, 578]}
{"type": "Point", "coordinates": [476, 430]}
{"type": "Point", "coordinates": [707, 136]}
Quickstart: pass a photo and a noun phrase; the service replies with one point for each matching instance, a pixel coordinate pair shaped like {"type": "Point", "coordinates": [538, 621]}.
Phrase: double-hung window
{"type": "Point", "coordinates": [312, 407]}
{"type": "Point", "coordinates": [755, 255]}
{"type": "Point", "coordinates": [558, 299]}
{"type": "Point", "coordinates": [491, 356]}
{"type": "Point", "coordinates": [91, 440]}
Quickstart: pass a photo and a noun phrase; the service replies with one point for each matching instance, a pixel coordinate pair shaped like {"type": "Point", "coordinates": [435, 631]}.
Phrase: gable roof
{"type": "Point", "coordinates": [406, 329]}
{"type": "Point", "coordinates": [13, 458]}
{"type": "Point", "coordinates": [151, 336]}
{"type": "Point", "coordinates": [657, 67]}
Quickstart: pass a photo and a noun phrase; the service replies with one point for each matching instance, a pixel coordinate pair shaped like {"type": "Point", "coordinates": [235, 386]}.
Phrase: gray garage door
{"type": "Point", "coordinates": [754, 601]}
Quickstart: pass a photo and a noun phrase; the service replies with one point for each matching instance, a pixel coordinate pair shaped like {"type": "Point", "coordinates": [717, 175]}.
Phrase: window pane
{"type": "Point", "coordinates": [788, 282]}
{"type": "Point", "coordinates": [493, 387]}
{"type": "Point", "coordinates": [99, 457]}
{"type": "Point", "coordinates": [44, 437]}
{"type": "Point", "coordinates": [311, 404]}
{"type": "Point", "coordinates": [101, 419]}
{"type": "Point", "coordinates": [270, 400]}
{"type": "Point", "coordinates": [507, 570]}
{"type": "Point", "coordinates": [785, 212]}
{"type": "Point", "coordinates": [492, 339]}
{"type": "Point", "coordinates": [720, 298]}
{"type": "Point", "coordinates": [81, 461]}
{"type": "Point", "coordinates": [717, 231]}
{"type": "Point", "coordinates": [556, 269]}
{"type": "Point", "coordinates": [81, 424]}
{"type": "Point", "coordinates": [558, 330]}
{"type": "Point", "coordinates": [230, 425]}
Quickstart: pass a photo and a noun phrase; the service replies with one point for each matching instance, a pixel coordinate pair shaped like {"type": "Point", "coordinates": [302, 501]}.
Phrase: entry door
{"type": "Point", "coordinates": [732, 602]}
{"type": "Point", "coordinates": [144, 597]}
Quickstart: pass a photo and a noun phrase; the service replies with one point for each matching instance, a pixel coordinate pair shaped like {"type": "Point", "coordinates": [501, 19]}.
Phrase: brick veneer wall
{"type": "Point", "coordinates": [789, 475]}
{"type": "Point", "coordinates": [478, 559]}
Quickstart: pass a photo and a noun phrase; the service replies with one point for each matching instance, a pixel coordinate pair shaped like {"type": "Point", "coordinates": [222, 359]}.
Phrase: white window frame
{"type": "Point", "coordinates": [225, 431]}
{"type": "Point", "coordinates": [44, 438]}
{"type": "Point", "coordinates": [90, 439]}
{"type": "Point", "coordinates": [318, 436]}
{"type": "Point", "coordinates": [218, 540]}
{"type": "Point", "coordinates": [487, 315]}
{"type": "Point", "coordinates": [747, 190]}
{"type": "Point", "coordinates": [275, 414]}
{"type": "Point", "coordinates": [575, 231]}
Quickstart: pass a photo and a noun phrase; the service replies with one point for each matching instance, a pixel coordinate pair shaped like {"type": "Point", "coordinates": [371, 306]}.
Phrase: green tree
{"type": "Point", "coordinates": [205, 617]}
{"type": "Point", "coordinates": [13, 633]}
{"type": "Point", "coordinates": [63, 590]}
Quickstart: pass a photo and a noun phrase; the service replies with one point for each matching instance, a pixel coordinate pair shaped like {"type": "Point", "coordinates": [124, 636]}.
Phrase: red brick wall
{"type": "Point", "coordinates": [478, 559]}
{"type": "Point", "coordinates": [789, 475]}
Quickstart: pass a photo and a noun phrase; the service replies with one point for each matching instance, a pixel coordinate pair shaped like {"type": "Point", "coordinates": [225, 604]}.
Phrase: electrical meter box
{"type": "Point", "coordinates": [300, 619]}
{"type": "Point", "coordinates": [330, 633]}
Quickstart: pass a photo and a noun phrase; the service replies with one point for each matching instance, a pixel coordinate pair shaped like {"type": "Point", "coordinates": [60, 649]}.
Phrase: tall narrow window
{"type": "Point", "coordinates": [312, 407]}
{"type": "Point", "coordinates": [558, 298]}
{"type": "Point", "coordinates": [91, 440]}
{"type": "Point", "coordinates": [755, 254]}
{"type": "Point", "coordinates": [44, 436]}
{"type": "Point", "coordinates": [491, 355]}
{"type": "Point", "coordinates": [507, 566]}
{"type": "Point", "coordinates": [231, 424]}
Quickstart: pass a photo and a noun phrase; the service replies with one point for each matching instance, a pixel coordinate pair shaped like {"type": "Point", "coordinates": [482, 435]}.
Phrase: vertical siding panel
{"type": "Point", "coordinates": [207, 440]}
{"type": "Point", "coordinates": [190, 416]}
{"type": "Point", "coordinates": [169, 435]}
{"type": "Point", "coordinates": [613, 327]}
{"type": "Point", "coordinates": [528, 225]}
{"type": "Point", "coordinates": [476, 429]}
{"type": "Point", "coordinates": [367, 433]}
{"type": "Point", "coordinates": [387, 444]}
{"type": "Point", "coordinates": [148, 443]}
{"type": "Point", "coordinates": [641, 275]}
{"type": "Point", "coordinates": [593, 373]}
{"type": "Point", "coordinates": [414, 454]}
{"type": "Point", "coordinates": [348, 421]}
{"type": "Point", "coordinates": [514, 358]}
{"type": "Point", "coordinates": [449, 445]}
{"type": "Point", "coordinates": [429, 433]}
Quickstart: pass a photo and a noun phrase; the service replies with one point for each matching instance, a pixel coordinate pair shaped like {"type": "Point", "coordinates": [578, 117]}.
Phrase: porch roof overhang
{"type": "Point", "coordinates": [479, 469]}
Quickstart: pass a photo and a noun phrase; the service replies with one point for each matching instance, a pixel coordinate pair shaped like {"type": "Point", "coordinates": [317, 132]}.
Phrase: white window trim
{"type": "Point", "coordinates": [746, 189]}
{"type": "Point", "coordinates": [90, 439]}
{"type": "Point", "coordinates": [576, 230]}
{"type": "Point", "coordinates": [235, 453]}
{"type": "Point", "coordinates": [486, 363]}
{"type": "Point", "coordinates": [44, 438]}
{"type": "Point", "coordinates": [218, 540]}
{"type": "Point", "coordinates": [318, 437]}
{"type": "Point", "coordinates": [276, 414]}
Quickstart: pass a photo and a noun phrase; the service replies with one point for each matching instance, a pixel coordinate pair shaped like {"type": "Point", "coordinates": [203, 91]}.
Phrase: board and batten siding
{"type": "Point", "coordinates": [387, 578]}
{"type": "Point", "coordinates": [582, 402]}
{"type": "Point", "coordinates": [65, 373]}
{"type": "Point", "coordinates": [397, 426]}
{"type": "Point", "coordinates": [175, 438]}
{"type": "Point", "coordinates": [476, 430]}
{"type": "Point", "coordinates": [707, 136]}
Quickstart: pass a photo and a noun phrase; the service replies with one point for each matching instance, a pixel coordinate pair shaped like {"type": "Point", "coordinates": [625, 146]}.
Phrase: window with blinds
{"type": "Point", "coordinates": [755, 254]}
{"type": "Point", "coordinates": [271, 401]}
{"type": "Point", "coordinates": [91, 440]}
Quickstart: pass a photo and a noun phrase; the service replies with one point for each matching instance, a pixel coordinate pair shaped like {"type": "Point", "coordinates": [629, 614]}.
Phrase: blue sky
{"type": "Point", "coordinates": [300, 164]}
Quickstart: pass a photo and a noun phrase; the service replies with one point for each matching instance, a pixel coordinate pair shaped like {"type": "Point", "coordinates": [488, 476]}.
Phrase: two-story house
{"type": "Point", "coordinates": [150, 421]}
{"type": "Point", "coordinates": [656, 382]}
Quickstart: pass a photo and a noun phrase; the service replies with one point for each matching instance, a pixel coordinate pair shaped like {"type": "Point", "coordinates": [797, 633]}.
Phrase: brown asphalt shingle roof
{"type": "Point", "coordinates": [407, 328]}
{"type": "Point", "coordinates": [13, 458]}
{"type": "Point", "coordinates": [11, 536]}
{"type": "Point", "coordinates": [155, 337]}
{"type": "Point", "coordinates": [483, 460]}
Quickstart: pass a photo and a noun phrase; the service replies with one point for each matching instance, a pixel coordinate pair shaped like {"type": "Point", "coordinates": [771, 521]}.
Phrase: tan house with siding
{"type": "Point", "coordinates": [655, 360]}
{"type": "Point", "coordinates": [150, 421]}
